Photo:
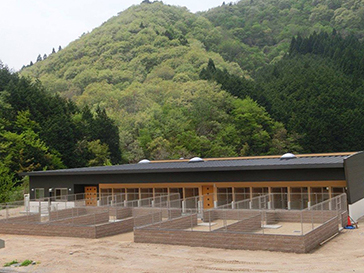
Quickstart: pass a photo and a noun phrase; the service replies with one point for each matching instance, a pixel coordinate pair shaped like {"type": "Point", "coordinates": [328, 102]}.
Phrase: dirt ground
{"type": "Point", "coordinates": [344, 253]}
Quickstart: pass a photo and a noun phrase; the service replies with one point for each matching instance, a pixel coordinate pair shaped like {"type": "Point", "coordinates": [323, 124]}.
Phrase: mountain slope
{"type": "Point", "coordinates": [143, 67]}
{"type": "Point", "coordinates": [257, 32]}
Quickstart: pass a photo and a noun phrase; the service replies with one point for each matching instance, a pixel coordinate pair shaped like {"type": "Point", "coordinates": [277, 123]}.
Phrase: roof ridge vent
{"type": "Point", "coordinates": [195, 160]}
{"type": "Point", "coordinates": [288, 156]}
{"type": "Point", "coordinates": [144, 161]}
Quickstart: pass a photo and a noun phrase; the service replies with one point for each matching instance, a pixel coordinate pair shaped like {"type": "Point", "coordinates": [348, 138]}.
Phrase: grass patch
{"type": "Point", "coordinates": [26, 263]}
{"type": "Point", "coordinates": [11, 263]}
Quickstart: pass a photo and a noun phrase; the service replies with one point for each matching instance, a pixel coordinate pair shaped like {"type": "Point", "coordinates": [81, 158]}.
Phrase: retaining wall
{"type": "Point", "coordinates": [31, 218]}
{"type": "Point", "coordinates": [115, 228]}
{"type": "Point", "coordinates": [284, 243]}
{"type": "Point", "coordinates": [66, 213]}
{"type": "Point", "coordinates": [166, 213]}
{"type": "Point", "coordinates": [147, 219]}
{"type": "Point", "coordinates": [88, 219]}
{"type": "Point", "coordinates": [247, 225]}
{"type": "Point", "coordinates": [121, 213]}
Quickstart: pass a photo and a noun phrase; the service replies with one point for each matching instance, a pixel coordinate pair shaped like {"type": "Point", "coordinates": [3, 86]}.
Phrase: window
{"type": "Point", "coordinates": [39, 193]}
{"type": "Point", "coordinates": [61, 194]}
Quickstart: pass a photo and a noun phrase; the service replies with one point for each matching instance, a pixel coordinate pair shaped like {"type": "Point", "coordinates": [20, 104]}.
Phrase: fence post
{"type": "Point", "coordinates": [210, 220]}
{"type": "Point", "coordinates": [49, 212]}
{"type": "Point", "coordinates": [225, 223]}
{"type": "Point", "coordinates": [301, 222]}
{"type": "Point", "coordinates": [40, 208]}
{"type": "Point", "coordinates": [262, 220]}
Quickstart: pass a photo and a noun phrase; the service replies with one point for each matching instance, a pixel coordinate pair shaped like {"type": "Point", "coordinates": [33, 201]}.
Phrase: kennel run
{"type": "Point", "coordinates": [301, 180]}
{"type": "Point", "coordinates": [285, 203]}
{"type": "Point", "coordinates": [253, 224]}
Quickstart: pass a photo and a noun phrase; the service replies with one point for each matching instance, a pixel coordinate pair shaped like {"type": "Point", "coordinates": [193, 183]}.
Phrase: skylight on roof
{"type": "Point", "coordinates": [288, 156]}
{"type": "Point", "coordinates": [195, 160]}
{"type": "Point", "coordinates": [144, 161]}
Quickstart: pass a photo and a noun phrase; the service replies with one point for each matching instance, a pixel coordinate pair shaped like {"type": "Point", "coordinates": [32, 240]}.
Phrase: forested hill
{"type": "Point", "coordinates": [148, 67]}
{"type": "Point", "coordinates": [256, 32]}
{"type": "Point", "coordinates": [40, 131]}
{"type": "Point", "coordinates": [143, 67]}
{"type": "Point", "coordinates": [316, 90]}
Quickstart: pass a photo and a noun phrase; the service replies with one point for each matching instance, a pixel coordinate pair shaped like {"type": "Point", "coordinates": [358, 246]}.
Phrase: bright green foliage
{"type": "Point", "coordinates": [7, 183]}
{"type": "Point", "coordinates": [40, 131]}
{"type": "Point", "coordinates": [149, 69]}
{"type": "Point", "coordinates": [258, 32]}
{"type": "Point", "coordinates": [22, 150]}
{"type": "Point", "coordinates": [143, 67]}
{"type": "Point", "coordinates": [195, 118]}
{"type": "Point", "coordinates": [321, 95]}
{"type": "Point", "coordinates": [50, 121]}
{"type": "Point", "coordinates": [26, 263]}
{"type": "Point", "coordinates": [11, 263]}
{"type": "Point", "coordinates": [101, 153]}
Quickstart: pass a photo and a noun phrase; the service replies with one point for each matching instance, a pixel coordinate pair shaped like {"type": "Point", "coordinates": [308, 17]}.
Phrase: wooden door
{"type": "Point", "coordinates": [208, 197]}
{"type": "Point", "coordinates": [91, 196]}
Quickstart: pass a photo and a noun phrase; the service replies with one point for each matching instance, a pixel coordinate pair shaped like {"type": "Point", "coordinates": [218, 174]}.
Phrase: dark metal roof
{"type": "Point", "coordinates": [309, 162]}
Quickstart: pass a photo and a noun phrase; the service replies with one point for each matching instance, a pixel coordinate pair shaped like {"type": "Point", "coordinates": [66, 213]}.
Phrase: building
{"type": "Point", "coordinates": [301, 180]}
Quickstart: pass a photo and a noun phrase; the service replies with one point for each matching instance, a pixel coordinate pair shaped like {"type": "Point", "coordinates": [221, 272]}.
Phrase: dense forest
{"type": "Point", "coordinates": [158, 82]}
{"type": "Point", "coordinates": [40, 131]}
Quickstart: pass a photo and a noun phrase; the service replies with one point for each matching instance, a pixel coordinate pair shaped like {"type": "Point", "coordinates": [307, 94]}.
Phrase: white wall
{"type": "Point", "coordinates": [356, 210]}
{"type": "Point", "coordinates": [55, 205]}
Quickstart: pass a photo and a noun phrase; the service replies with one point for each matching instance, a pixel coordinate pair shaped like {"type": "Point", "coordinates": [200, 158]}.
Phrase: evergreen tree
{"type": "Point", "coordinates": [107, 132]}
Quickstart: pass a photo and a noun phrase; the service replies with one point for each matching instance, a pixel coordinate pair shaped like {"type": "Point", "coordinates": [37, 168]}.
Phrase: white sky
{"type": "Point", "coordinates": [32, 27]}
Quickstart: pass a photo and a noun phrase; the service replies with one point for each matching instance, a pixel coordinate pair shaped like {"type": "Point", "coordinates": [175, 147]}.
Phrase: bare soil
{"type": "Point", "coordinates": [344, 253]}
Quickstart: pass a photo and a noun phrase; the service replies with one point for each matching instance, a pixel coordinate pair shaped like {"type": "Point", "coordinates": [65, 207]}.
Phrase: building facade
{"type": "Point", "coordinates": [298, 181]}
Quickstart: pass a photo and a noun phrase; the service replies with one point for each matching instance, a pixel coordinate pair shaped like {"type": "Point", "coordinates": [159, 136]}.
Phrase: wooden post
{"type": "Point", "coordinates": [140, 194]}
{"type": "Point", "coordinates": [126, 194]}
{"type": "Point", "coordinates": [289, 197]}
{"type": "Point", "coordinates": [270, 197]}
{"type": "Point", "coordinates": [309, 196]}
{"type": "Point", "coordinates": [153, 193]}
{"type": "Point", "coordinates": [330, 192]}
{"type": "Point", "coordinates": [215, 196]}
{"type": "Point", "coordinates": [184, 193]}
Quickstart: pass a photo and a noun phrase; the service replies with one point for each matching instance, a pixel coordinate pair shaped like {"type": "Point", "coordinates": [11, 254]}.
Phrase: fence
{"type": "Point", "coordinates": [254, 229]}
{"type": "Point", "coordinates": [255, 216]}
{"type": "Point", "coordinates": [272, 201]}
